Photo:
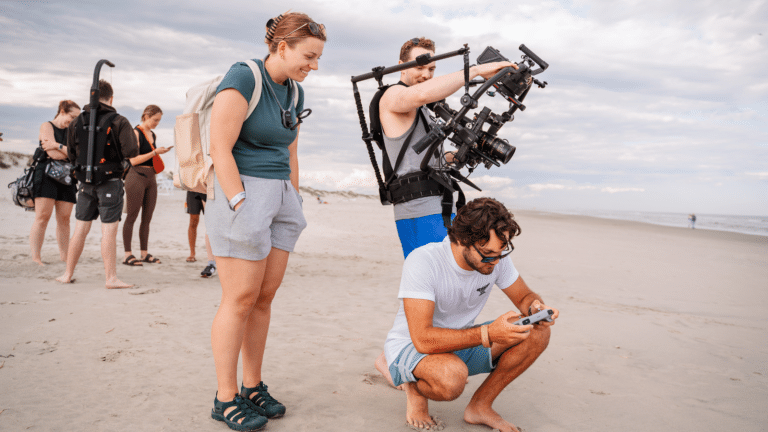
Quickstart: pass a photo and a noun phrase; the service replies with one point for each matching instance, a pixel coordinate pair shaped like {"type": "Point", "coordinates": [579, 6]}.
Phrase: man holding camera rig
{"type": "Point", "coordinates": [403, 120]}
{"type": "Point", "coordinates": [103, 197]}
{"type": "Point", "coordinates": [434, 344]}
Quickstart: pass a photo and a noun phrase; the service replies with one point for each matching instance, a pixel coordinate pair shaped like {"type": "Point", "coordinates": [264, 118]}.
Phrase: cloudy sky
{"type": "Point", "coordinates": [651, 105]}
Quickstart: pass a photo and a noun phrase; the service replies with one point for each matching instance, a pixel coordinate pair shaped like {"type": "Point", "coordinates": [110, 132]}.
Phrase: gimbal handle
{"type": "Point", "coordinates": [94, 105]}
{"type": "Point", "coordinates": [542, 64]}
{"type": "Point", "coordinates": [421, 60]}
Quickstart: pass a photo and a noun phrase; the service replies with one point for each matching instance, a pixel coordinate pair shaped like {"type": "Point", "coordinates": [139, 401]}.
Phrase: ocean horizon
{"type": "Point", "coordinates": [753, 225]}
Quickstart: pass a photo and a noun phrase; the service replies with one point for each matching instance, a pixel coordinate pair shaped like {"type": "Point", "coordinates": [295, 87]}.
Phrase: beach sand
{"type": "Point", "coordinates": [660, 329]}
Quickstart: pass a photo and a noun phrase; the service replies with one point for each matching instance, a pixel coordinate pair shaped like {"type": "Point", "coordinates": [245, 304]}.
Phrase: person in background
{"type": "Point", "coordinates": [195, 205]}
{"type": "Point", "coordinates": [141, 186]}
{"type": "Point", "coordinates": [50, 194]}
{"type": "Point", "coordinates": [104, 197]}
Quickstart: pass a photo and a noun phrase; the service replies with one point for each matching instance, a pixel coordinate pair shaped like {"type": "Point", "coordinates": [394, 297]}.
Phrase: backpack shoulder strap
{"type": "Point", "coordinates": [257, 89]}
{"type": "Point", "coordinates": [106, 120]}
{"type": "Point", "coordinates": [295, 86]}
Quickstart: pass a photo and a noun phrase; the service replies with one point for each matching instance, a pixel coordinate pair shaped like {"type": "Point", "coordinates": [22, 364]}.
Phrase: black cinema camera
{"type": "Point", "coordinates": [475, 145]}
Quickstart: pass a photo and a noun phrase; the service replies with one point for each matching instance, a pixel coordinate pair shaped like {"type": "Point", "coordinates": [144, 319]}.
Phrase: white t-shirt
{"type": "Point", "coordinates": [431, 273]}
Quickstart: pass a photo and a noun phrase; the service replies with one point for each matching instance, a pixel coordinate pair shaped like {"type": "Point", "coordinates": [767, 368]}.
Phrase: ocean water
{"type": "Point", "coordinates": [755, 225]}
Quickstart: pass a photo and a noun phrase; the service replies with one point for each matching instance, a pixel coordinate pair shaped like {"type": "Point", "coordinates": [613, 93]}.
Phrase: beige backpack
{"type": "Point", "coordinates": [194, 167]}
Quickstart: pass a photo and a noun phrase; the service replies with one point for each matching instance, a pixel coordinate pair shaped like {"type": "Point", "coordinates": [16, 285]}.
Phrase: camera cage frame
{"type": "Point", "coordinates": [467, 155]}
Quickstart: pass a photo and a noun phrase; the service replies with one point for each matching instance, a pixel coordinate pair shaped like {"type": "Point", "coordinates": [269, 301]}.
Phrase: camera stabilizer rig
{"type": "Point", "coordinates": [474, 144]}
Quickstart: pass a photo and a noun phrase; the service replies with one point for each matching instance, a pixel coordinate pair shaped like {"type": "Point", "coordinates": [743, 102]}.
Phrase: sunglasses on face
{"type": "Point", "coordinates": [314, 28]}
{"type": "Point", "coordinates": [487, 259]}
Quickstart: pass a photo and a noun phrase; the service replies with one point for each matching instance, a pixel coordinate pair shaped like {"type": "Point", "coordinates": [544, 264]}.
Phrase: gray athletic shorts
{"type": "Point", "coordinates": [271, 216]}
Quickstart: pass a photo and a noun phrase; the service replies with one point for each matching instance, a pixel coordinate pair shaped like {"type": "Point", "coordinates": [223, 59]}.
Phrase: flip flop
{"type": "Point", "coordinates": [131, 260]}
{"type": "Point", "coordinates": [150, 259]}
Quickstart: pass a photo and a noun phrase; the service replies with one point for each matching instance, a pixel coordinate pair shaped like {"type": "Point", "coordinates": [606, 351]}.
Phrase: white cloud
{"type": "Point", "coordinates": [639, 92]}
{"type": "Point", "coordinates": [758, 175]}
{"type": "Point", "coordinates": [617, 190]}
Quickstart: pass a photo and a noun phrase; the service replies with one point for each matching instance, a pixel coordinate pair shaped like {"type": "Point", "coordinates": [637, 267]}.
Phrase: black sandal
{"type": "Point", "coordinates": [131, 260]}
{"type": "Point", "coordinates": [253, 418]}
{"type": "Point", "coordinates": [150, 259]}
{"type": "Point", "coordinates": [262, 399]}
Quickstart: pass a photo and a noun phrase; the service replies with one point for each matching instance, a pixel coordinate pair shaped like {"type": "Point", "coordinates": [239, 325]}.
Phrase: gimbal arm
{"type": "Point", "coordinates": [94, 106]}
{"type": "Point", "coordinates": [421, 60]}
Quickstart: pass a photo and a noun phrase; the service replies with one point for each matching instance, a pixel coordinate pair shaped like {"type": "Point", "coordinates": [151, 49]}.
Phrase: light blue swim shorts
{"type": "Point", "coordinates": [478, 360]}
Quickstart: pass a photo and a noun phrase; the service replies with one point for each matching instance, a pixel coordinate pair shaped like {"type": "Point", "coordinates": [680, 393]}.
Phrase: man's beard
{"type": "Point", "coordinates": [476, 265]}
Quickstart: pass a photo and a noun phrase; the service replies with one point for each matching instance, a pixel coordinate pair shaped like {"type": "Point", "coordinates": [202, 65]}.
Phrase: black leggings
{"type": "Point", "coordinates": [140, 192]}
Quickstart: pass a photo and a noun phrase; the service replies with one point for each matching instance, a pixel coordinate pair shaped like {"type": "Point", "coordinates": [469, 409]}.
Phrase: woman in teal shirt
{"type": "Point", "coordinates": [255, 218]}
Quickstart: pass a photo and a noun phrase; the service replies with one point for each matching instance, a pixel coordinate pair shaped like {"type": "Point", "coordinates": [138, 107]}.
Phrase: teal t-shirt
{"type": "Point", "coordinates": [261, 149]}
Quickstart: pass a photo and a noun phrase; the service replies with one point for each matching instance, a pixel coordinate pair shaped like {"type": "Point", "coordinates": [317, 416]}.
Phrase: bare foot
{"type": "Point", "coordinates": [116, 283]}
{"type": "Point", "coordinates": [381, 366]}
{"type": "Point", "coordinates": [475, 414]}
{"type": "Point", "coordinates": [65, 279]}
{"type": "Point", "coordinates": [39, 261]}
{"type": "Point", "coordinates": [416, 410]}
{"type": "Point", "coordinates": [191, 258]}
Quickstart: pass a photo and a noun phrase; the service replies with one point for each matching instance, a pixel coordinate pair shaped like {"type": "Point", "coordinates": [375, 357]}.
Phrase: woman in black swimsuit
{"type": "Point", "coordinates": [141, 186]}
{"type": "Point", "coordinates": [50, 194]}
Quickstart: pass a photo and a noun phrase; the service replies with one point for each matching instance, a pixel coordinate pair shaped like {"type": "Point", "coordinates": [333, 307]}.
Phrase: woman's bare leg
{"type": "Point", "coordinates": [43, 211]}
{"type": "Point", "coordinates": [257, 326]}
{"type": "Point", "coordinates": [63, 213]}
{"type": "Point", "coordinates": [241, 282]}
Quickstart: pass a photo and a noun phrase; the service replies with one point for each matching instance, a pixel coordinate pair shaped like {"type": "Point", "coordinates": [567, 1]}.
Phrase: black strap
{"type": "Point", "coordinates": [407, 144]}
{"type": "Point", "coordinates": [414, 185]}
{"type": "Point", "coordinates": [447, 203]}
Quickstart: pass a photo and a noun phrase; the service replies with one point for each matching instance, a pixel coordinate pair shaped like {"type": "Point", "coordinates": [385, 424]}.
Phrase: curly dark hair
{"type": "Point", "coordinates": [473, 223]}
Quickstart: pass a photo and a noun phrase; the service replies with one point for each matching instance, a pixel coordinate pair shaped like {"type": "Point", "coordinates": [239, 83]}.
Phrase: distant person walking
{"type": "Point", "coordinates": [104, 197]}
{"type": "Point", "coordinates": [50, 194]}
{"type": "Point", "coordinates": [141, 186]}
{"type": "Point", "coordinates": [692, 219]}
{"type": "Point", "coordinates": [195, 205]}
{"type": "Point", "coordinates": [255, 216]}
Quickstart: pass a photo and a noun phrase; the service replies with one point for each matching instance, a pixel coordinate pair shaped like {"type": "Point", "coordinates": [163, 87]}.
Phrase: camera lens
{"type": "Point", "coordinates": [498, 149]}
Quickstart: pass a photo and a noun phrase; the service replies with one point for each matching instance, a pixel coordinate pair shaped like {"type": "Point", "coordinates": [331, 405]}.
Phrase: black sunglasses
{"type": "Point", "coordinates": [415, 41]}
{"type": "Point", "coordinates": [314, 28]}
{"type": "Point", "coordinates": [486, 259]}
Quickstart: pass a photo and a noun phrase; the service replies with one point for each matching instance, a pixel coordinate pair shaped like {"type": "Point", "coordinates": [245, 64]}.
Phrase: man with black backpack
{"type": "Point", "coordinates": [114, 143]}
{"type": "Point", "coordinates": [401, 114]}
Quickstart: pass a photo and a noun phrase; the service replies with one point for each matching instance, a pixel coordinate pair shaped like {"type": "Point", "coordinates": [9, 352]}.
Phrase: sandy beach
{"type": "Point", "coordinates": [661, 328]}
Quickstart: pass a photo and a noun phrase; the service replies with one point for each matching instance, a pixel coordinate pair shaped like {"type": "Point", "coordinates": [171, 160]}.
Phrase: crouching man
{"type": "Point", "coordinates": [435, 345]}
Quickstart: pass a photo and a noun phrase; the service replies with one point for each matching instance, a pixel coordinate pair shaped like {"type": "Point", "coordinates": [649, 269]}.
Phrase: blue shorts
{"type": "Point", "coordinates": [478, 360]}
{"type": "Point", "coordinates": [420, 231]}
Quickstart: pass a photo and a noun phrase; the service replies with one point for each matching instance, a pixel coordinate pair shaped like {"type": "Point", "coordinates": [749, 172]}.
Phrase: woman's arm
{"type": "Point", "coordinates": [294, 160]}
{"type": "Point", "coordinates": [48, 141]}
{"type": "Point", "coordinates": [146, 156]}
{"type": "Point", "coordinates": [227, 117]}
